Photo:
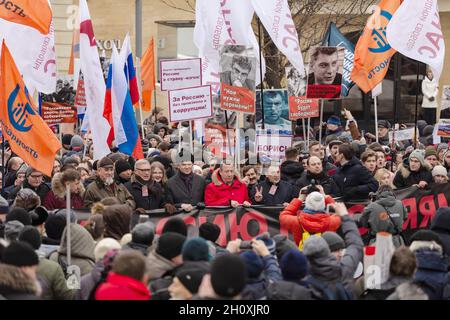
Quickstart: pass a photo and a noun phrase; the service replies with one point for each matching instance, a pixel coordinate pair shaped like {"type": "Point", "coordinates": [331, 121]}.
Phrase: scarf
{"type": "Point", "coordinates": [187, 180]}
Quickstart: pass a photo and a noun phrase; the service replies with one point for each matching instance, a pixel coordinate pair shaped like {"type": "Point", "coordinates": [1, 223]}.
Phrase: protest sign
{"type": "Point", "coordinates": [190, 104]}
{"type": "Point", "coordinates": [325, 72]}
{"type": "Point", "coordinates": [445, 101]}
{"type": "Point", "coordinates": [273, 146]}
{"type": "Point", "coordinates": [401, 135]}
{"type": "Point", "coordinates": [237, 99]}
{"type": "Point", "coordinates": [443, 129]}
{"type": "Point", "coordinates": [302, 108]}
{"type": "Point", "coordinates": [80, 97]}
{"type": "Point", "coordinates": [180, 73]}
{"type": "Point", "coordinates": [296, 82]}
{"type": "Point", "coordinates": [276, 112]}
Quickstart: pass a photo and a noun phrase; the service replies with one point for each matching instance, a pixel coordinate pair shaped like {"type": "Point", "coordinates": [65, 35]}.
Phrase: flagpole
{"type": "Point", "coordinates": [138, 63]}
{"type": "Point", "coordinates": [375, 101]}
{"type": "Point", "coordinates": [307, 130]}
{"type": "Point", "coordinates": [3, 160]}
{"type": "Point", "coordinates": [227, 133]}
{"type": "Point", "coordinates": [304, 134]}
{"type": "Point", "coordinates": [69, 258]}
{"type": "Point", "coordinates": [261, 73]}
{"type": "Point", "coordinates": [417, 105]}
{"type": "Point", "coordinates": [321, 120]}
{"type": "Point", "coordinates": [191, 140]}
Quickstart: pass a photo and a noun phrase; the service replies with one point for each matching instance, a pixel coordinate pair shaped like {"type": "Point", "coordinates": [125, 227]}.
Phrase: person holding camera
{"type": "Point", "coordinates": [313, 218]}
{"type": "Point", "coordinates": [384, 214]}
{"type": "Point", "coordinates": [315, 175]}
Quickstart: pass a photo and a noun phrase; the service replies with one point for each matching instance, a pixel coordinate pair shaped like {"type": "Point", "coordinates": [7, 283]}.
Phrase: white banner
{"type": "Point", "coordinates": [276, 18]}
{"type": "Point", "coordinates": [180, 74]}
{"type": "Point", "coordinates": [221, 22]}
{"type": "Point", "coordinates": [190, 104]}
{"type": "Point", "coordinates": [415, 31]}
{"type": "Point", "coordinates": [273, 146]}
{"type": "Point", "coordinates": [406, 134]}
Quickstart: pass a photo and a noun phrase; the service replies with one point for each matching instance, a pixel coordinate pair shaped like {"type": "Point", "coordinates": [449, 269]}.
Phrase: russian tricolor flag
{"type": "Point", "coordinates": [130, 72]}
{"type": "Point", "coordinates": [118, 109]}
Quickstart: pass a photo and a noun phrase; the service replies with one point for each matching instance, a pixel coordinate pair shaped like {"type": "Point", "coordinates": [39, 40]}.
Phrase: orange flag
{"type": "Point", "coordinates": [373, 52]}
{"type": "Point", "coordinates": [36, 14]}
{"type": "Point", "coordinates": [28, 135]}
{"type": "Point", "coordinates": [148, 76]}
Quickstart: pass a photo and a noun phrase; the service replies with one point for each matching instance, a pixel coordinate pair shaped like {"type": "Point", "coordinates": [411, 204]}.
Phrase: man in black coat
{"type": "Point", "coordinates": [352, 178]}
{"type": "Point", "coordinates": [315, 172]}
{"type": "Point", "coordinates": [186, 188]}
{"type": "Point", "coordinates": [273, 191]}
{"type": "Point", "coordinates": [34, 180]}
{"type": "Point", "coordinates": [291, 169]}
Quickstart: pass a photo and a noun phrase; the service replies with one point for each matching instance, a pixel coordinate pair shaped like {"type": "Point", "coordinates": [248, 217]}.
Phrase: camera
{"type": "Point", "coordinates": [246, 245]}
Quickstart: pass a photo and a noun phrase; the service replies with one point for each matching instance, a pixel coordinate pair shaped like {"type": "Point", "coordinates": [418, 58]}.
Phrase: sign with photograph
{"type": "Point", "coordinates": [180, 73]}
{"type": "Point", "coordinates": [276, 112]}
{"type": "Point", "coordinates": [190, 104]}
{"type": "Point", "coordinates": [59, 106]}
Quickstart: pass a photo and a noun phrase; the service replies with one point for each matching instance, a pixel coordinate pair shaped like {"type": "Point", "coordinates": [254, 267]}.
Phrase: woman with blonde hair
{"type": "Point", "coordinates": [384, 178]}
{"type": "Point", "coordinates": [158, 176]}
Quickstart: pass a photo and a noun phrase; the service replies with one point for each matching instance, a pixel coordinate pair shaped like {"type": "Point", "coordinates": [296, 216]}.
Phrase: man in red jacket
{"type": "Point", "coordinates": [312, 218]}
{"type": "Point", "coordinates": [226, 189]}
{"type": "Point", "coordinates": [127, 279]}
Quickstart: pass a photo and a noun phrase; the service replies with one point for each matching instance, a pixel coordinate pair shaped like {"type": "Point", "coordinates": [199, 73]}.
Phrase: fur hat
{"type": "Point", "coordinates": [334, 241]}
{"type": "Point", "coordinates": [294, 265]}
{"type": "Point", "coordinates": [195, 249]}
{"type": "Point", "coordinates": [315, 201]}
{"type": "Point", "coordinates": [104, 246]}
{"type": "Point", "coordinates": [228, 275]}
{"type": "Point", "coordinates": [170, 245]}
{"type": "Point", "coordinates": [316, 247]}
{"type": "Point", "coordinates": [418, 154]}
{"type": "Point", "coordinates": [27, 199]}
{"type": "Point", "coordinates": [38, 216]}
{"type": "Point", "coordinates": [439, 171]}
{"type": "Point", "coordinates": [20, 254]}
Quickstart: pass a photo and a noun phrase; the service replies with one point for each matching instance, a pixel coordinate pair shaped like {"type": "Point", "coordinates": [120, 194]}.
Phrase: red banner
{"type": "Point", "coordinates": [302, 108]}
{"type": "Point", "coordinates": [237, 99]}
{"type": "Point", "coordinates": [56, 113]}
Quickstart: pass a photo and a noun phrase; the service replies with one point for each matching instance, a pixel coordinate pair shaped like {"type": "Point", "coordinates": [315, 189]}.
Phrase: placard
{"type": "Point", "coordinates": [189, 104]}
{"type": "Point", "coordinates": [273, 146]}
{"type": "Point", "coordinates": [237, 99]}
{"type": "Point", "coordinates": [302, 108]}
{"type": "Point", "coordinates": [180, 73]}
{"type": "Point", "coordinates": [443, 129]}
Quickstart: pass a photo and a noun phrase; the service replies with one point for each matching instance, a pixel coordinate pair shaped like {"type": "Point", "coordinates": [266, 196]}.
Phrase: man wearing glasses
{"type": "Point", "coordinates": [34, 180]}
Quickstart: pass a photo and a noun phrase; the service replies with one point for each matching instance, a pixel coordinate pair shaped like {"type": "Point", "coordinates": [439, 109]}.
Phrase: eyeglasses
{"type": "Point", "coordinates": [143, 170]}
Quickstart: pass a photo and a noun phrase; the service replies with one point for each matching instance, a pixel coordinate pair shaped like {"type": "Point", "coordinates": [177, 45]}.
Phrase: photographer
{"type": "Point", "coordinates": [384, 214]}
{"type": "Point", "coordinates": [315, 175]}
{"type": "Point", "coordinates": [313, 218]}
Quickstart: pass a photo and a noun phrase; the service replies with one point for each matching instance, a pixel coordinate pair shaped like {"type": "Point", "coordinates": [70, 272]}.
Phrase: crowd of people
{"type": "Point", "coordinates": [121, 256]}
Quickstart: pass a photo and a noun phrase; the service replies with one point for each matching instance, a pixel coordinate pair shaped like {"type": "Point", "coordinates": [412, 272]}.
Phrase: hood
{"type": "Point", "coordinates": [387, 199]}
{"type": "Point", "coordinates": [157, 265]}
{"type": "Point", "coordinates": [117, 220]}
{"type": "Point", "coordinates": [319, 222]}
{"type": "Point", "coordinates": [14, 281]}
{"type": "Point", "coordinates": [441, 220]}
{"type": "Point", "coordinates": [430, 260]}
{"type": "Point", "coordinates": [217, 179]}
{"type": "Point", "coordinates": [325, 268]}
{"type": "Point", "coordinates": [59, 189]}
{"type": "Point", "coordinates": [82, 243]}
{"type": "Point", "coordinates": [291, 167]}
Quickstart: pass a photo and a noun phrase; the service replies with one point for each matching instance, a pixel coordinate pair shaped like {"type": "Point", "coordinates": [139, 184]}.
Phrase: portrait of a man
{"type": "Point", "coordinates": [296, 83]}
{"type": "Point", "coordinates": [276, 112]}
{"type": "Point", "coordinates": [238, 71]}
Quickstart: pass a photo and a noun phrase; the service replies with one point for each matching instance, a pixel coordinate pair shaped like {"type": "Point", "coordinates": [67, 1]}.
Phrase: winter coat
{"type": "Point", "coordinates": [296, 221]}
{"type": "Point", "coordinates": [430, 88]}
{"type": "Point", "coordinates": [285, 192]}
{"type": "Point", "coordinates": [328, 184]}
{"type": "Point", "coordinates": [441, 225]}
{"type": "Point", "coordinates": [89, 281]}
{"type": "Point", "coordinates": [218, 193]}
{"type": "Point", "coordinates": [408, 291]}
{"type": "Point", "coordinates": [56, 198]}
{"type": "Point", "coordinates": [53, 281]}
{"type": "Point", "coordinates": [404, 178]}
{"type": "Point", "coordinates": [328, 269]}
{"type": "Point", "coordinates": [180, 194]}
{"type": "Point", "coordinates": [375, 217]}
{"type": "Point", "coordinates": [117, 219]}
{"type": "Point", "coordinates": [291, 171]}
{"type": "Point", "coordinates": [157, 265]}
{"type": "Point", "coordinates": [155, 198]}
{"type": "Point", "coordinates": [97, 191]}
{"type": "Point", "coordinates": [386, 289]}
{"type": "Point", "coordinates": [16, 284]}
{"type": "Point", "coordinates": [41, 191]}
{"type": "Point", "coordinates": [286, 290]}
{"type": "Point", "coordinates": [354, 181]}
{"type": "Point", "coordinates": [120, 287]}
{"type": "Point", "coordinates": [82, 249]}
{"type": "Point", "coordinates": [256, 288]}
{"type": "Point", "coordinates": [142, 248]}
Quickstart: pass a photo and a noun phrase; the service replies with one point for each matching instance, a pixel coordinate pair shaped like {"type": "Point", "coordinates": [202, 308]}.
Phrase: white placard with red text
{"type": "Point", "coordinates": [190, 104]}
{"type": "Point", "coordinates": [180, 73]}
{"type": "Point", "coordinates": [273, 146]}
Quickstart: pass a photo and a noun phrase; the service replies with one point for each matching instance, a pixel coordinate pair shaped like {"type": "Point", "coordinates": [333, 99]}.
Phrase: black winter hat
{"type": "Point", "coordinates": [19, 214]}
{"type": "Point", "coordinates": [122, 165]}
{"type": "Point", "coordinates": [191, 279]}
{"type": "Point", "coordinates": [170, 245]}
{"type": "Point", "coordinates": [20, 254]}
{"type": "Point", "coordinates": [30, 235]}
{"type": "Point", "coordinates": [209, 231]}
{"type": "Point", "coordinates": [66, 139]}
{"type": "Point", "coordinates": [228, 275]}
{"type": "Point", "coordinates": [176, 225]}
{"type": "Point", "coordinates": [54, 226]}
{"type": "Point", "coordinates": [38, 216]}
{"type": "Point", "coordinates": [334, 241]}
{"type": "Point", "coordinates": [426, 235]}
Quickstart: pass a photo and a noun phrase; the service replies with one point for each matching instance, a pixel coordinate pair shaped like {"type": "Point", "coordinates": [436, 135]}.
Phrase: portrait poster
{"type": "Point", "coordinates": [276, 112]}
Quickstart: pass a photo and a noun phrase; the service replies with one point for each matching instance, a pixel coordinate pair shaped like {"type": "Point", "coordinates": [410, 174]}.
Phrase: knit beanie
{"type": "Point", "coordinates": [76, 143]}
{"type": "Point", "coordinates": [418, 154]}
{"type": "Point", "coordinates": [29, 171]}
{"type": "Point", "coordinates": [20, 254]}
{"type": "Point", "coordinates": [30, 235]}
{"type": "Point", "coordinates": [428, 130]}
{"type": "Point", "coordinates": [228, 275]}
{"type": "Point", "coordinates": [195, 249]}
{"type": "Point", "coordinates": [170, 245]}
{"type": "Point", "coordinates": [269, 242]}
{"type": "Point", "coordinates": [316, 247]}
{"type": "Point", "coordinates": [191, 279]}
{"type": "Point", "coordinates": [441, 146]}
{"type": "Point", "coordinates": [176, 225]}
{"type": "Point", "coordinates": [429, 151]}
{"type": "Point", "coordinates": [121, 166]}
{"type": "Point", "coordinates": [334, 120]}
{"type": "Point", "coordinates": [54, 226]}
{"type": "Point", "coordinates": [209, 231]}
{"type": "Point", "coordinates": [315, 201]}
{"type": "Point", "coordinates": [253, 263]}
{"type": "Point", "coordinates": [67, 139]}
{"type": "Point", "coordinates": [103, 246]}
{"type": "Point", "coordinates": [294, 265]}
{"type": "Point", "coordinates": [334, 241]}
{"type": "Point", "coordinates": [439, 171]}
{"type": "Point", "coordinates": [13, 229]}
{"type": "Point", "coordinates": [143, 233]}
{"type": "Point", "coordinates": [283, 245]}
{"type": "Point", "coordinates": [19, 214]}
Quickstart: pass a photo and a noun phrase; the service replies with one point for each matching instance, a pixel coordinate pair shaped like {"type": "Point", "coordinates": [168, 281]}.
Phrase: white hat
{"type": "Point", "coordinates": [104, 246]}
{"type": "Point", "coordinates": [439, 171]}
{"type": "Point", "coordinates": [315, 201]}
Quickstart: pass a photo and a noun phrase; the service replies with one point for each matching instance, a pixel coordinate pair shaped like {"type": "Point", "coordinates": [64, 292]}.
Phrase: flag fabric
{"type": "Point", "coordinates": [107, 107]}
{"type": "Point", "coordinates": [334, 38]}
{"type": "Point", "coordinates": [419, 35]}
{"type": "Point", "coordinates": [130, 72]}
{"type": "Point", "coordinates": [94, 83]}
{"type": "Point", "coordinates": [28, 135]}
{"type": "Point", "coordinates": [36, 14]}
{"type": "Point", "coordinates": [148, 76]}
{"type": "Point", "coordinates": [277, 20]}
{"type": "Point", "coordinates": [34, 54]}
{"type": "Point", "coordinates": [373, 51]}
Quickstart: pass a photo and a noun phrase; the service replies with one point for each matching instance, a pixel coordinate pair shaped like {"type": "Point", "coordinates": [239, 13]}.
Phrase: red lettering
{"type": "Point", "coordinates": [219, 220]}
{"type": "Point", "coordinates": [246, 218]}
{"type": "Point", "coordinates": [290, 28]}
{"type": "Point", "coordinates": [434, 38]}
{"type": "Point", "coordinates": [442, 200]}
{"type": "Point", "coordinates": [285, 43]}
{"type": "Point", "coordinates": [427, 208]}
{"type": "Point", "coordinates": [426, 48]}
{"type": "Point", "coordinates": [160, 225]}
{"type": "Point", "coordinates": [412, 213]}
{"type": "Point", "coordinates": [234, 227]}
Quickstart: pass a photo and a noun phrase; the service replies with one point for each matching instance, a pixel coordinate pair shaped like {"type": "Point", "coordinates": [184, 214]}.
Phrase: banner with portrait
{"type": "Point", "coordinates": [325, 72]}
{"type": "Point", "coordinates": [274, 104]}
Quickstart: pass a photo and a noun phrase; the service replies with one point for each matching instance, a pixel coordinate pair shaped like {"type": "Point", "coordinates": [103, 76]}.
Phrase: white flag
{"type": "Point", "coordinates": [415, 31]}
{"type": "Point", "coordinates": [218, 23]}
{"type": "Point", "coordinates": [94, 83]}
{"type": "Point", "coordinates": [276, 17]}
{"type": "Point", "coordinates": [34, 54]}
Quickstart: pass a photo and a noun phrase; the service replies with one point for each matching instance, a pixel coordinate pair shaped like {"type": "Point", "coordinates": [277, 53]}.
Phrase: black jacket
{"type": "Point", "coordinates": [405, 178]}
{"type": "Point", "coordinates": [286, 290]}
{"type": "Point", "coordinates": [291, 171]}
{"type": "Point", "coordinates": [441, 225]}
{"type": "Point", "coordinates": [284, 193]}
{"type": "Point", "coordinates": [180, 194]}
{"type": "Point", "coordinates": [328, 184]}
{"type": "Point", "coordinates": [41, 191]}
{"type": "Point", "coordinates": [354, 180]}
{"type": "Point", "coordinates": [154, 200]}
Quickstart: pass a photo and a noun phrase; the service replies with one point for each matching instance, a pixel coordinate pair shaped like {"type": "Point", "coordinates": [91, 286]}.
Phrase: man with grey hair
{"type": "Point", "coordinates": [273, 191]}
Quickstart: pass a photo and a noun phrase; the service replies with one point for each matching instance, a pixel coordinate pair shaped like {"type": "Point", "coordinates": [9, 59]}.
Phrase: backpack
{"type": "Point", "coordinates": [327, 292]}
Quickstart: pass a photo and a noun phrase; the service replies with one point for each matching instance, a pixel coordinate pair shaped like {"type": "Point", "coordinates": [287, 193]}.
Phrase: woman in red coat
{"type": "Point", "coordinates": [56, 198]}
{"type": "Point", "coordinates": [226, 189]}
{"type": "Point", "coordinates": [312, 218]}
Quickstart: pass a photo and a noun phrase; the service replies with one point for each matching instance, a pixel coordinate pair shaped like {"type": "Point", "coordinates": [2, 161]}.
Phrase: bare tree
{"type": "Point", "coordinates": [186, 5]}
